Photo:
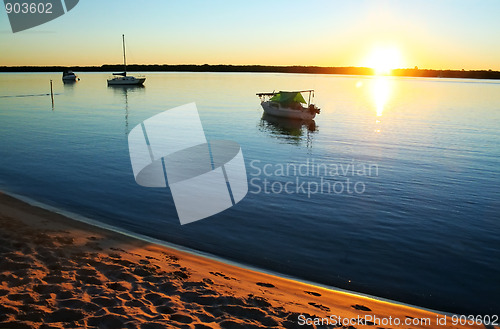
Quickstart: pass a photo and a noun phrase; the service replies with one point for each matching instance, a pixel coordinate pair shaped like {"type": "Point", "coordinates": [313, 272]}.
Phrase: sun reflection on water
{"type": "Point", "coordinates": [381, 91]}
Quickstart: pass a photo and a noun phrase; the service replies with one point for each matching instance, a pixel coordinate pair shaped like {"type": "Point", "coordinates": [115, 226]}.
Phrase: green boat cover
{"type": "Point", "coordinates": [287, 97]}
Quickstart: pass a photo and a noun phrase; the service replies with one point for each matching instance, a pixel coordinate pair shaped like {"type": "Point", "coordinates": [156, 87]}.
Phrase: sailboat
{"type": "Point", "coordinates": [122, 78]}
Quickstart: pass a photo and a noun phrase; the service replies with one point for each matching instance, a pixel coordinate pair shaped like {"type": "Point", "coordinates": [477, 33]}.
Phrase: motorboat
{"type": "Point", "coordinates": [288, 104]}
{"type": "Point", "coordinates": [69, 76]}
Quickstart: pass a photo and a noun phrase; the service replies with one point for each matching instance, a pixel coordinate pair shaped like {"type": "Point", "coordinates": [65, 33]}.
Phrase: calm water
{"type": "Point", "coordinates": [423, 226]}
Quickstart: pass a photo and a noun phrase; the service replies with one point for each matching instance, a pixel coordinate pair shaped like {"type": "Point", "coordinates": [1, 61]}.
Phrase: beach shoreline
{"type": "Point", "coordinates": [57, 272]}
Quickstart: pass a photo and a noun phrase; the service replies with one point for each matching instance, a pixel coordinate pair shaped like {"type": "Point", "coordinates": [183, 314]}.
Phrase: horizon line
{"type": "Point", "coordinates": [248, 65]}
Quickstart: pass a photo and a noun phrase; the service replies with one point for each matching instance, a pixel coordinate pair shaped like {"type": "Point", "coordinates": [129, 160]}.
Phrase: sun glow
{"type": "Point", "coordinates": [384, 60]}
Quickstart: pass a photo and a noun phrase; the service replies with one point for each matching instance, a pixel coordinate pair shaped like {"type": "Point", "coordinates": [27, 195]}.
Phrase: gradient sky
{"type": "Point", "coordinates": [442, 34]}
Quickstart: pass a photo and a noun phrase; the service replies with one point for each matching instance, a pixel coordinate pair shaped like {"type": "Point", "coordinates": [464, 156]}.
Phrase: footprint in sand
{"type": "Point", "coordinates": [115, 255]}
{"type": "Point", "coordinates": [208, 281]}
{"type": "Point", "coordinates": [117, 286]}
{"type": "Point", "coordinates": [93, 245]}
{"type": "Point", "coordinates": [182, 274]}
{"type": "Point", "coordinates": [65, 315]}
{"type": "Point", "coordinates": [171, 258]}
{"type": "Point", "coordinates": [64, 240]}
{"type": "Point", "coordinates": [257, 301]}
{"type": "Point", "coordinates": [267, 285]}
{"type": "Point", "coordinates": [108, 321]}
{"type": "Point", "coordinates": [313, 293]}
{"type": "Point", "coordinates": [181, 318]}
{"type": "Point", "coordinates": [319, 306]}
{"type": "Point", "coordinates": [222, 275]}
{"type": "Point", "coordinates": [361, 308]}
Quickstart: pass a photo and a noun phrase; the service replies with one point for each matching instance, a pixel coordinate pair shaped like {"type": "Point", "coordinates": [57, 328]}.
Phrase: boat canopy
{"type": "Point", "coordinates": [123, 74]}
{"type": "Point", "coordinates": [287, 97]}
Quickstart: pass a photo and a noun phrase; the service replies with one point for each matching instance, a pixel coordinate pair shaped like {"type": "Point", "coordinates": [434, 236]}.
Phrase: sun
{"type": "Point", "coordinates": [384, 60]}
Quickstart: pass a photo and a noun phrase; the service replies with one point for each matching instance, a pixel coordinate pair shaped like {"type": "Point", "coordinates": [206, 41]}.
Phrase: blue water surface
{"type": "Point", "coordinates": [423, 226]}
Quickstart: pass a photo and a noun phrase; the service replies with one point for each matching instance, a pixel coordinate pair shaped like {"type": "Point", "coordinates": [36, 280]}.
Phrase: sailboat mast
{"type": "Point", "coordinates": [124, 58]}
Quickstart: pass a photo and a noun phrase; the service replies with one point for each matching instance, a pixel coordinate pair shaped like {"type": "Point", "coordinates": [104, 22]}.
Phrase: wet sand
{"type": "Point", "coordinates": [56, 272]}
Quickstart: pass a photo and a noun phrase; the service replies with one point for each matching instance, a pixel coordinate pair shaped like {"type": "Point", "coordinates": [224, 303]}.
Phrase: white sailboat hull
{"type": "Point", "coordinates": [275, 109]}
{"type": "Point", "coordinates": [126, 81]}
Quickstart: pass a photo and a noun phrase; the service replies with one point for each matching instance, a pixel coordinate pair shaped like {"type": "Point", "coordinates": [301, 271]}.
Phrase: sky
{"type": "Point", "coordinates": [444, 34]}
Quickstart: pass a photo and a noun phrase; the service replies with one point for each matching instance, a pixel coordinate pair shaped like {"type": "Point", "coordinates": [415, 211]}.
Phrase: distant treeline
{"type": "Point", "coordinates": [459, 74]}
{"type": "Point", "coordinates": [481, 74]}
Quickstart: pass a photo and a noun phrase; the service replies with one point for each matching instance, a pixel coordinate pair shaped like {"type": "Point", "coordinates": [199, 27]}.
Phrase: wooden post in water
{"type": "Point", "coordinates": [51, 94]}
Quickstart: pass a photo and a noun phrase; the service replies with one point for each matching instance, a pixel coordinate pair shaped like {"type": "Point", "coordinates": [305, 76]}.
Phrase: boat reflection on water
{"type": "Point", "coordinates": [69, 87]}
{"type": "Point", "coordinates": [69, 82]}
{"type": "Point", "coordinates": [291, 131]}
{"type": "Point", "coordinates": [124, 90]}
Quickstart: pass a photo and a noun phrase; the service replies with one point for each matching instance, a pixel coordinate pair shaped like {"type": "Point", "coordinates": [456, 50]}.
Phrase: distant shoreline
{"type": "Point", "coordinates": [460, 74]}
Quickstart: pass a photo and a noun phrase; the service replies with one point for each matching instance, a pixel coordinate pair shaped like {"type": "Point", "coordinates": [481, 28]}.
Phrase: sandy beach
{"type": "Point", "coordinates": [56, 272]}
